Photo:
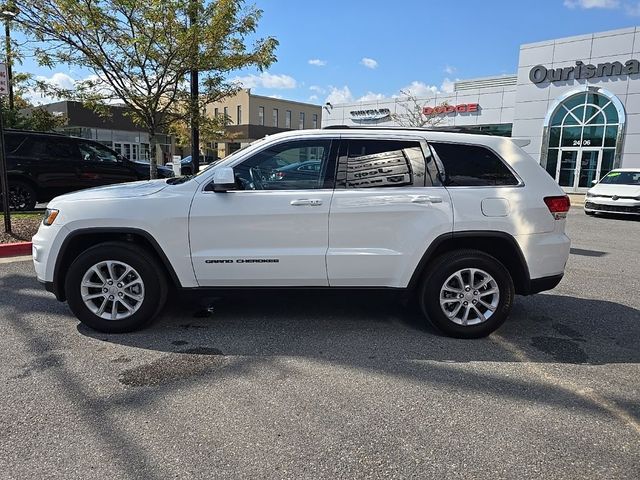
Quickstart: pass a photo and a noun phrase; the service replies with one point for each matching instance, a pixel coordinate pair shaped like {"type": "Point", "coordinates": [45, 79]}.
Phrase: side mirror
{"type": "Point", "coordinates": [593, 182]}
{"type": "Point", "coordinates": [224, 179]}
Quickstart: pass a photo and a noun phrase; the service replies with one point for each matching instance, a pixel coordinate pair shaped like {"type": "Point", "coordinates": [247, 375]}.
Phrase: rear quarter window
{"type": "Point", "coordinates": [472, 166]}
{"type": "Point", "coordinates": [13, 142]}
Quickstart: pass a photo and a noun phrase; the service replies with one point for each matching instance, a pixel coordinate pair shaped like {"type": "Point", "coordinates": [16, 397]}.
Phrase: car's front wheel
{"type": "Point", "coordinates": [115, 287]}
{"type": "Point", "coordinates": [467, 294]}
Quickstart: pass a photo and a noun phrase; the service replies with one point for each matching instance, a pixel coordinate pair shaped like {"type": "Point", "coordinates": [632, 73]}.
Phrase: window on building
{"type": "Point", "coordinates": [239, 115]}
{"type": "Point", "coordinates": [275, 117]}
{"type": "Point", "coordinates": [315, 120]}
{"type": "Point", "coordinates": [586, 120]}
{"type": "Point", "coordinates": [301, 121]}
{"type": "Point", "coordinates": [226, 115]}
{"type": "Point", "coordinates": [287, 119]}
{"type": "Point", "coordinates": [260, 115]}
{"type": "Point", "coordinates": [215, 112]}
{"type": "Point", "coordinates": [383, 163]}
{"type": "Point", "coordinates": [472, 165]}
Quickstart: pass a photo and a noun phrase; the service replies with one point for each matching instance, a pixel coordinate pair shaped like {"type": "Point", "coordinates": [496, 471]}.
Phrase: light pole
{"type": "Point", "coordinates": [8, 13]}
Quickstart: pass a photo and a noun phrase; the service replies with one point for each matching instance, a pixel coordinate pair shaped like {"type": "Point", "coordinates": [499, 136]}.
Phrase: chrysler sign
{"type": "Point", "coordinates": [583, 71]}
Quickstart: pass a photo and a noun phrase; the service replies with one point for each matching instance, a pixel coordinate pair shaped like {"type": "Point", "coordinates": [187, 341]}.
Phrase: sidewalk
{"type": "Point", "coordinates": [576, 199]}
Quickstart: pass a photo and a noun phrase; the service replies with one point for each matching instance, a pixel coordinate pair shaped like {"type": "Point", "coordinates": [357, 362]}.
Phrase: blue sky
{"type": "Point", "coordinates": [354, 49]}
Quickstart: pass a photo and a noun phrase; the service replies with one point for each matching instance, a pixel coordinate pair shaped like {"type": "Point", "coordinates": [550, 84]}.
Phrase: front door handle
{"type": "Point", "coordinates": [426, 199]}
{"type": "Point", "coordinates": [312, 202]}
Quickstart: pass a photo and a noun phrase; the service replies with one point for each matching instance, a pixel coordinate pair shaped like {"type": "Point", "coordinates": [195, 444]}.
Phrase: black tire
{"type": "Point", "coordinates": [150, 272]}
{"type": "Point", "coordinates": [447, 265]}
{"type": "Point", "coordinates": [22, 196]}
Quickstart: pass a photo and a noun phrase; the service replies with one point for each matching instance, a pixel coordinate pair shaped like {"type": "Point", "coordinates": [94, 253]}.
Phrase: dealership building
{"type": "Point", "coordinates": [576, 99]}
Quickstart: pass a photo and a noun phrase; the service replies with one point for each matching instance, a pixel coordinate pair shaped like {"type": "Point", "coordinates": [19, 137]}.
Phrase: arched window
{"type": "Point", "coordinates": [588, 121]}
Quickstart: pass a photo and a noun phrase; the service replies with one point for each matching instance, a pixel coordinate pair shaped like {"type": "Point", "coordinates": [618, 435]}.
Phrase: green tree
{"type": "Point", "coordinates": [25, 115]}
{"type": "Point", "coordinates": [140, 52]}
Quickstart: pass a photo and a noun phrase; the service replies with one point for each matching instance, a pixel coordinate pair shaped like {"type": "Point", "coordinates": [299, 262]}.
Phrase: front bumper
{"type": "Point", "coordinates": [605, 205]}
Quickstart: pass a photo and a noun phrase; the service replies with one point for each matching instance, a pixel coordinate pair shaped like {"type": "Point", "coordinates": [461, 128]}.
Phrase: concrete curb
{"type": "Point", "coordinates": [15, 249]}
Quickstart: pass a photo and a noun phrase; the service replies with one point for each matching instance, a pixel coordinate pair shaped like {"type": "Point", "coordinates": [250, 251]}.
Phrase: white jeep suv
{"type": "Point", "coordinates": [460, 222]}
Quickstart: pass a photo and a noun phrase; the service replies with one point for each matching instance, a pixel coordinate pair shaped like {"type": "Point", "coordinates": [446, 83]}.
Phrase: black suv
{"type": "Point", "coordinates": [41, 166]}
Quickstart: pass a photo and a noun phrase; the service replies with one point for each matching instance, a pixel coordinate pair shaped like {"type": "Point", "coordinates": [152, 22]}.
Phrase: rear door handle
{"type": "Point", "coordinates": [312, 202]}
{"type": "Point", "coordinates": [426, 199]}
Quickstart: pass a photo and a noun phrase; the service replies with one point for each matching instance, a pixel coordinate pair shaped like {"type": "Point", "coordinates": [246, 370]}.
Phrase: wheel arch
{"type": "Point", "coordinates": [79, 241]}
{"type": "Point", "coordinates": [499, 245]}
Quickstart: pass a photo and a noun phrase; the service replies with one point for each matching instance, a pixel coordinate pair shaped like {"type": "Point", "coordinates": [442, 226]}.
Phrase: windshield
{"type": "Point", "coordinates": [228, 157]}
{"type": "Point", "coordinates": [622, 178]}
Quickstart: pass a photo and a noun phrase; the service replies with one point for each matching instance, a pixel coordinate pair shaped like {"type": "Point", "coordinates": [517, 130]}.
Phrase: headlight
{"type": "Point", "coordinates": [50, 215]}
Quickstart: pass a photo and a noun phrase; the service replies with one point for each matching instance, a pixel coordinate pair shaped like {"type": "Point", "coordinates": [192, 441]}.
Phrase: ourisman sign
{"type": "Point", "coordinates": [582, 71]}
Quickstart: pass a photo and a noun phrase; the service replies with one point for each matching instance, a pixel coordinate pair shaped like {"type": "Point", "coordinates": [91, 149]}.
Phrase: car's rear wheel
{"type": "Point", "coordinates": [115, 287]}
{"type": "Point", "coordinates": [22, 196]}
{"type": "Point", "coordinates": [467, 294]}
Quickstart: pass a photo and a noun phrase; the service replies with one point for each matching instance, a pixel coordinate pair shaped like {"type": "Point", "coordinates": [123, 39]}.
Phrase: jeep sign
{"type": "Point", "coordinates": [582, 71]}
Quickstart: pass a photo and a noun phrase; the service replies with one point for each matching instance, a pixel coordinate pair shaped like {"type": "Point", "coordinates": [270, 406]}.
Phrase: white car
{"type": "Point", "coordinates": [617, 192]}
{"type": "Point", "coordinates": [458, 222]}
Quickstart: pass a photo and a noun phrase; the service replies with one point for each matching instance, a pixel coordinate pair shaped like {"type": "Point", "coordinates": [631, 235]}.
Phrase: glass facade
{"type": "Point", "coordinates": [583, 133]}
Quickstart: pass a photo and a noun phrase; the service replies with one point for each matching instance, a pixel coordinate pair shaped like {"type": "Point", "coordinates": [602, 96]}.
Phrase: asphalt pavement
{"type": "Point", "coordinates": [329, 386]}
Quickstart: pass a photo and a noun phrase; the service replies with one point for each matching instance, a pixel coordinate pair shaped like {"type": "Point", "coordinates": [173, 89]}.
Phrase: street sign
{"type": "Point", "coordinates": [4, 79]}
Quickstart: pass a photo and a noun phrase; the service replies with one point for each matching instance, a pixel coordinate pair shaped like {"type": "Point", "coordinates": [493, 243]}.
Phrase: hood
{"type": "Point", "coordinates": [619, 190]}
{"type": "Point", "coordinates": [146, 165]}
{"type": "Point", "coordinates": [119, 190]}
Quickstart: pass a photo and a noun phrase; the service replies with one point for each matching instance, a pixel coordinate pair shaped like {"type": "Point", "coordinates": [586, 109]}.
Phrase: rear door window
{"type": "Point", "coordinates": [373, 163]}
{"type": "Point", "coordinates": [472, 166]}
{"type": "Point", "coordinates": [53, 149]}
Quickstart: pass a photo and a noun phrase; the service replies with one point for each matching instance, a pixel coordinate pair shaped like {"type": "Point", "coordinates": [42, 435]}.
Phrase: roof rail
{"type": "Point", "coordinates": [469, 130]}
{"type": "Point", "coordinates": [23, 130]}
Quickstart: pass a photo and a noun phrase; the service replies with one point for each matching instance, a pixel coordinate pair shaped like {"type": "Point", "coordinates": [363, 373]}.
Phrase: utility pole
{"type": "Point", "coordinates": [195, 104]}
{"type": "Point", "coordinates": [4, 181]}
{"type": "Point", "coordinates": [8, 13]}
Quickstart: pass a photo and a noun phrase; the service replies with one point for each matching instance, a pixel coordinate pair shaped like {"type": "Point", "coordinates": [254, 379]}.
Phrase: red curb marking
{"type": "Point", "coordinates": [15, 249]}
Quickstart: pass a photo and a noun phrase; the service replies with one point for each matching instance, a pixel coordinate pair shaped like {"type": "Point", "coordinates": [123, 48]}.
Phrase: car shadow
{"type": "Point", "coordinates": [357, 326]}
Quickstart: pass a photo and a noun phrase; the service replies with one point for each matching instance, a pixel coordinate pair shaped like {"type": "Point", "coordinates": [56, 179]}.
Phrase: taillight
{"type": "Point", "coordinates": [558, 206]}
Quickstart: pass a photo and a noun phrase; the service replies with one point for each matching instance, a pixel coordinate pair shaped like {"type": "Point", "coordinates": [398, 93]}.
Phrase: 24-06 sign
{"type": "Point", "coordinates": [447, 109]}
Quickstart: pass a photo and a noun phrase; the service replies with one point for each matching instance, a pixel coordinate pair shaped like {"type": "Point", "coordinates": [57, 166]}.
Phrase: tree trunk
{"type": "Point", "coordinates": [153, 164]}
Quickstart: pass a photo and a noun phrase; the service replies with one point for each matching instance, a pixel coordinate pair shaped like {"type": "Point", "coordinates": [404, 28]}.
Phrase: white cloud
{"type": "Point", "coordinates": [279, 97]}
{"type": "Point", "coordinates": [317, 89]}
{"type": "Point", "coordinates": [588, 4]}
{"type": "Point", "coordinates": [447, 86]}
{"type": "Point", "coordinates": [317, 62]}
{"type": "Point", "coordinates": [339, 95]}
{"type": "Point", "coordinates": [449, 70]}
{"type": "Point", "coordinates": [419, 89]}
{"type": "Point", "coordinates": [267, 80]}
{"type": "Point", "coordinates": [369, 63]}
{"type": "Point", "coordinates": [313, 98]}
{"type": "Point", "coordinates": [633, 10]}
{"type": "Point", "coordinates": [370, 97]}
